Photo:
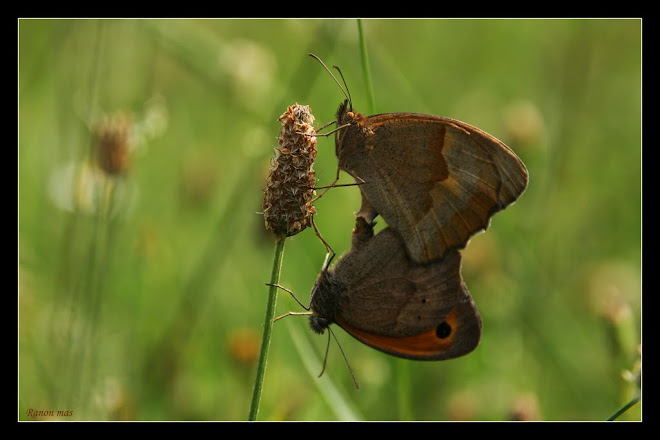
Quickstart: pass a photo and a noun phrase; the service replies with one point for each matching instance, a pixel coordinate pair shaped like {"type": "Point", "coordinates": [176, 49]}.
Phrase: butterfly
{"type": "Point", "coordinates": [378, 295]}
{"type": "Point", "coordinates": [436, 181]}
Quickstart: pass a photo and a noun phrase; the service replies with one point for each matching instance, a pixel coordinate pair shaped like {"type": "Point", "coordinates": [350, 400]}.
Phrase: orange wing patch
{"type": "Point", "coordinates": [431, 344]}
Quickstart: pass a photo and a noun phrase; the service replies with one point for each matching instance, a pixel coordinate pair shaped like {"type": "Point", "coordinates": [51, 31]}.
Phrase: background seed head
{"type": "Point", "coordinates": [112, 143]}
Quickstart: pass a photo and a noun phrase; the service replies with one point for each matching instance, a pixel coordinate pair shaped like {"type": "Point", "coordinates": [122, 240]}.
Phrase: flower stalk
{"type": "Point", "coordinates": [287, 209]}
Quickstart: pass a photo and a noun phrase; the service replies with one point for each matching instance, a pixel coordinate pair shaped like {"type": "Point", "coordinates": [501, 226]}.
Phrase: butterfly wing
{"type": "Point", "coordinates": [410, 310]}
{"type": "Point", "coordinates": [437, 181]}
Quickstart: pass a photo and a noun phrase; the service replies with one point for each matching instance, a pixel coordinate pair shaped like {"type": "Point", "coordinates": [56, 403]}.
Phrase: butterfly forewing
{"type": "Point", "coordinates": [437, 181]}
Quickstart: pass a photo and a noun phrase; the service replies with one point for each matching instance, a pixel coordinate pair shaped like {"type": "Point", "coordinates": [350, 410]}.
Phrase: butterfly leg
{"type": "Point", "coordinates": [326, 188]}
{"type": "Point", "coordinates": [290, 293]}
{"type": "Point", "coordinates": [321, 128]}
{"type": "Point", "coordinates": [291, 313]}
{"type": "Point", "coordinates": [334, 185]}
{"type": "Point", "coordinates": [330, 253]}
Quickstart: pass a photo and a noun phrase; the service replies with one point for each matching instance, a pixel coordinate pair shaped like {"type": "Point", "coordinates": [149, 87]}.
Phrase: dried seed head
{"type": "Point", "coordinates": [291, 179]}
{"type": "Point", "coordinates": [111, 143]}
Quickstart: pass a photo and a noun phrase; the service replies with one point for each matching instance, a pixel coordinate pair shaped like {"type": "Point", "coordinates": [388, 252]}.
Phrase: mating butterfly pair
{"type": "Point", "coordinates": [436, 182]}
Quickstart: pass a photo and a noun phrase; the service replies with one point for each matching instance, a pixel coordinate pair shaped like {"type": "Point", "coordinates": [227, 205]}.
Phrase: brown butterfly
{"type": "Point", "coordinates": [377, 294]}
{"type": "Point", "coordinates": [436, 181]}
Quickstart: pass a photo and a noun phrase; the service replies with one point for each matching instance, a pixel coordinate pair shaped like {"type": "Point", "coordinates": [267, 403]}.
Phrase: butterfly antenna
{"type": "Point", "coordinates": [325, 358]}
{"type": "Point", "coordinates": [333, 76]}
{"type": "Point", "coordinates": [345, 85]}
{"type": "Point", "coordinates": [345, 358]}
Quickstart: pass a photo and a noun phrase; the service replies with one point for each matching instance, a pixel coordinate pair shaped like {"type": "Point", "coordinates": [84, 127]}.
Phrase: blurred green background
{"type": "Point", "coordinates": [142, 296]}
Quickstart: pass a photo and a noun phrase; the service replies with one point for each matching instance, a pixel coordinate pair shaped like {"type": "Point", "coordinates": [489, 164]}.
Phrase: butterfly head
{"type": "Point", "coordinates": [345, 113]}
{"type": "Point", "coordinates": [318, 323]}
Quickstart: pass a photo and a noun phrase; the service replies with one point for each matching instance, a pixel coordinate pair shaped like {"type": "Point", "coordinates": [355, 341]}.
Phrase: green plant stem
{"type": "Point", "coordinates": [623, 409]}
{"type": "Point", "coordinates": [365, 69]}
{"type": "Point", "coordinates": [403, 389]}
{"type": "Point", "coordinates": [268, 328]}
